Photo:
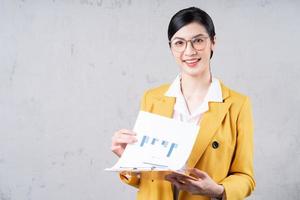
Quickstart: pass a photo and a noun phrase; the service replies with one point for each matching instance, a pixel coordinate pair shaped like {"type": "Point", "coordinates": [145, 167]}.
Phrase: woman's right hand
{"type": "Point", "coordinates": [120, 140]}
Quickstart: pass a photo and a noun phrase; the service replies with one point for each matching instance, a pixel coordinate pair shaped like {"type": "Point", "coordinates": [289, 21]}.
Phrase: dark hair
{"type": "Point", "coordinates": [189, 15]}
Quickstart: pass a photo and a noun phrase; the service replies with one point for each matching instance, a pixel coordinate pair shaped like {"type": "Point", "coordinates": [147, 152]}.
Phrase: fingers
{"type": "Point", "coordinates": [182, 179]}
{"type": "Point", "coordinates": [124, 136]}
{"type": "Point", "coordinates": [203, 184]}
{"type": "Point", "coordinates": [198, 173]}
{"type": "Point", "coordinates": [180, 182]}
{"type": "Point", "coordinates": [125, 131]}
{"type": "Point", "coordinates": [120, 140]}
{"type": "Point", "coordinates": [170, 177]}
{"type": "Point", "coordinates": [181, 185]}
{"type": "Point", "coordinates": [124, 139]}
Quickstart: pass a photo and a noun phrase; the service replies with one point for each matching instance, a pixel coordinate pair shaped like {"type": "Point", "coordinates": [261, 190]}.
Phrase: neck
{"type": "Point", "coordinates": [195, 85]}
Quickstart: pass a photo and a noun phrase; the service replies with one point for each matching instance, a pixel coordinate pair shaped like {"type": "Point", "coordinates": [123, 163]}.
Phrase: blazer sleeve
{"type": "Point", "coordinates": [132, 178]}
{"type": "Point", "coordinates": [240, 181]}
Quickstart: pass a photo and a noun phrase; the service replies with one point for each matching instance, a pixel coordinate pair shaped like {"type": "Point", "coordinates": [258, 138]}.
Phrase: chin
{"type": "Point", "coordinates": [196, 71]}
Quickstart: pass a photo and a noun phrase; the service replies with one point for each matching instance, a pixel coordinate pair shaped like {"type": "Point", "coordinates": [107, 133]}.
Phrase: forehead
{"type": "Point", "coordinates": [190, 30]}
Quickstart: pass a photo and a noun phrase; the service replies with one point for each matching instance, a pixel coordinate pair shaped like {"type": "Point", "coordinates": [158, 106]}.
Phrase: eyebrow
{"type": "Point", "coordinates": [192, 37]}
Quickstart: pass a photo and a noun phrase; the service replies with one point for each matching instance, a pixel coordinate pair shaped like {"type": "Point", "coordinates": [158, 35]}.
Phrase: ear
{"type": "Point", "coordinates": [213, 44]}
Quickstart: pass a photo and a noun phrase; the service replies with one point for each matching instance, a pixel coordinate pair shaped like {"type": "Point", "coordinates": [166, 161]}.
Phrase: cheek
{"type": "Point", "coordinates": [177, 57]}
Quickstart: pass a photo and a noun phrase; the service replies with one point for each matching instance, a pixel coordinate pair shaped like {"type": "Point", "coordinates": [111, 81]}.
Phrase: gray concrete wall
{"type": "Point", "coordinates": [73, 71]}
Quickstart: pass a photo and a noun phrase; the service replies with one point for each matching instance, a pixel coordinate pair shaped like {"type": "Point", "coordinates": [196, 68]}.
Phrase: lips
{"type": "Point", "coordinates": [192, 62]}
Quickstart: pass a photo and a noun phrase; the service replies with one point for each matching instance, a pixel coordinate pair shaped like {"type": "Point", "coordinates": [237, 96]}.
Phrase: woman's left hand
{"type": "Point", "coordinates": [203, 185]}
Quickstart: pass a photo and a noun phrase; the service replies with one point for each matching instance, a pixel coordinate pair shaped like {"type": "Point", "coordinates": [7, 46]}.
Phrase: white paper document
{"type": "Point", "coordinates": [164, 144]}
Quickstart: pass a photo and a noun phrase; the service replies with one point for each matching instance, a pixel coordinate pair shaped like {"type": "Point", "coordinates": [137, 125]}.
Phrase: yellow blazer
{"type": "Point", "coordinates": [230, 162]}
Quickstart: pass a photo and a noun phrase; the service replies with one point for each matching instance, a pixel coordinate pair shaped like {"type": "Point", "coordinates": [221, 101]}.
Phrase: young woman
{"type": "Point", "coordinates": [222, 156]}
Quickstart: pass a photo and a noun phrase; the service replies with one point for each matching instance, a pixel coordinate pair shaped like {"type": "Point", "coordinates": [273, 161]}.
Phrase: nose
{"type": "Point", "coordinates": [189, 50]}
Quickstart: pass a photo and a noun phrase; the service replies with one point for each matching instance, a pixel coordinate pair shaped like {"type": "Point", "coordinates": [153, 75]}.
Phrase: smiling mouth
{"type": "Point", "coordinates": [192, 62]}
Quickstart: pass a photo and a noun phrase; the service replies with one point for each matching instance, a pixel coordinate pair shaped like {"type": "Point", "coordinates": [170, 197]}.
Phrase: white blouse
{"type": "Point", "coordinates": [181, 112]}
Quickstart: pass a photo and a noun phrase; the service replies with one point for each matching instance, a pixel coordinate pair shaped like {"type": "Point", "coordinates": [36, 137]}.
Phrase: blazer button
{"type": "Point", "coordinates": [215, 144]}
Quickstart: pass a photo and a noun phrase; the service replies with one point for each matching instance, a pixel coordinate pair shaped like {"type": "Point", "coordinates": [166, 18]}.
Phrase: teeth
{"type": "Point", "coordinates": [192, 61]}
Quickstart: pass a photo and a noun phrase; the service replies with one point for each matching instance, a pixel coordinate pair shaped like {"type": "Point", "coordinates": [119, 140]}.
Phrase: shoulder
{"type": "Point", "coordinates": [232, 94]}
{"type": "Point", "coordinates": [157, 92]}
{"type": "Point", "coordinates": [152, 95]}
{"type": "Point", "coordinates": [237, 99]}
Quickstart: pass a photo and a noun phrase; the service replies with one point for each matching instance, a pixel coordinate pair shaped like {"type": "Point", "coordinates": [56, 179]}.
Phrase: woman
{"type": "Point", "coordinates": [222, 156]}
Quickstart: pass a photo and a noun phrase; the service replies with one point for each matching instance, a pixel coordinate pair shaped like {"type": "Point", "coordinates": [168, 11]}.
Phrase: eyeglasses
{"type": "Point", "coordinates": [180, 45]}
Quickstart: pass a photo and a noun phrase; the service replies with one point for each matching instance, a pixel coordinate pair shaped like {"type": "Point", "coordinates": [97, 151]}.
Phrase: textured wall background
{"type": "Point", "coordinates": [73, 71]}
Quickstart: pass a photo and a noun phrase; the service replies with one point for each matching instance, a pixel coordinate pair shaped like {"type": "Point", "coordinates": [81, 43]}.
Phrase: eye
{"type": "Point", "coordinates": [178, 43]}
{"type": "Point", "coordinates": [198, 41]}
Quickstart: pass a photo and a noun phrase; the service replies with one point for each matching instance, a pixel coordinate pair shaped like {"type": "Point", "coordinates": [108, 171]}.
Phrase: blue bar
{"type": "Point", "coordinates": [173, 146]}
{"type": "Point", "coordinates": [154, 140]}
{"type": "Point", "coordinates": [144, 140]}
{"type": "Point", "coordinates": [164, 143]}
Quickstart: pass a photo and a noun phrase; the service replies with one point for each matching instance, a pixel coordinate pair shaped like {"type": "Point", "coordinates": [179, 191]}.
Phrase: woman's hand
{"type": "Point", "coordinates": [204, 185]}
{"type": "Point", "coordinates": [120, 140]}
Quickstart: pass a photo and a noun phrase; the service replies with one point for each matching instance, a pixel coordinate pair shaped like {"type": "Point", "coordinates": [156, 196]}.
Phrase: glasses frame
{"type": "Point", "coordinates": [187, 41]}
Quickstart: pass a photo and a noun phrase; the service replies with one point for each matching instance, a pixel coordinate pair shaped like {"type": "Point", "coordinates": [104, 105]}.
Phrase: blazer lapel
{"type": "Point", "coordinates": [210, 122]}
{"type": "Point", "coordinates": [164, 106]}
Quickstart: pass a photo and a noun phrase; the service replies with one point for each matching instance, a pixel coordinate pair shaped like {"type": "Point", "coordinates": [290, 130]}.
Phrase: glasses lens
{"type": "Point", "coordinates": [199, 43]}
{"type": "Point", "coordinates": [178, 45]}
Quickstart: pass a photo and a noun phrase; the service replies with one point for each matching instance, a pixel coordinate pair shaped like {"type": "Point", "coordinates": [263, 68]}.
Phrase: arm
{"type": "Point", "coordinates": [133, 178]}
{"type": "Point", "coordinates": [240, 182]}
